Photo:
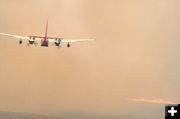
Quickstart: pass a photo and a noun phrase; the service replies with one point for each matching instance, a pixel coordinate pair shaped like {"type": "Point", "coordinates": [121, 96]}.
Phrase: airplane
{"type": "Point", "coordinates": [45, 40]}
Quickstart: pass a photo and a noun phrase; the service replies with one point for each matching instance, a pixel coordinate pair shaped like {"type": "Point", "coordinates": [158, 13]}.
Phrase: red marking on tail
{"type": "Point", "coordinates": [46, 35]}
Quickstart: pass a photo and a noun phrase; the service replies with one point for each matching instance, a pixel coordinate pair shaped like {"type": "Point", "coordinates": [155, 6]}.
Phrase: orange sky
{"type": "Point", "coordinates": [135, 54]}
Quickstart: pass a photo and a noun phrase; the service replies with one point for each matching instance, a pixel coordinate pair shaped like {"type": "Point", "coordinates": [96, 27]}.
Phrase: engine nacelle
{"type": "Point", "coordinates": [57, 42]}
{"type": "Point", "coordinates": [68, 45]}
{"type": "Point", "coordinates": [32, 40]}
{"type": "Point", "coordinates": [20, 41]}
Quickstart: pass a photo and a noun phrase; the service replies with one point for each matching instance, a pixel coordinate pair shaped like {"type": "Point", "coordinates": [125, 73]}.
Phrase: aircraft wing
{"type": "Point", "coordinates": [75, 40]}
{"type": "Point", "coordinates": [68, 40]}
{"type": "Point", "coordinates": [15, 36]}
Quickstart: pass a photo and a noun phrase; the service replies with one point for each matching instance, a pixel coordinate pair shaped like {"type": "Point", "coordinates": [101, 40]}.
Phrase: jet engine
{"type": "Point", "coordinates": [20, 41]}
{"type": "Point", "coordinates": [57, 42]}
{"type": "Point", "coordinates": [68, 45]}
{"type": "Point", "coordinates": [32, 40]}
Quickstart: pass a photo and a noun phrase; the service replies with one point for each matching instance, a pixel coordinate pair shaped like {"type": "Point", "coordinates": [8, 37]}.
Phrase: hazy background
{"type": "Point", "coordinates": [135, 54]}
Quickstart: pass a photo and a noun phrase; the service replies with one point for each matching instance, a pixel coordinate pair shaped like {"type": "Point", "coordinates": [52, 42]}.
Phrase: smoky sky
{"type": "Point", "coordinates": [135, 54]}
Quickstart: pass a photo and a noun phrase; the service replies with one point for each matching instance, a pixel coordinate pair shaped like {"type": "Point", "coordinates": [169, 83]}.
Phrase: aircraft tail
{"type": "Point", "coordinates": [46, 30]}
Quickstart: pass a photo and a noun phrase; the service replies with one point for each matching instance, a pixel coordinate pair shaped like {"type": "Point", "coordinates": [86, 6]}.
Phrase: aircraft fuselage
{"type": "Point", "coordinates": [44, 43]}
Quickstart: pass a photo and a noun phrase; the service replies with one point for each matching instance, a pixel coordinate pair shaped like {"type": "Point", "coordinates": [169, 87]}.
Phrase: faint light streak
{"type": "Point", "coordinates": [154, 100]}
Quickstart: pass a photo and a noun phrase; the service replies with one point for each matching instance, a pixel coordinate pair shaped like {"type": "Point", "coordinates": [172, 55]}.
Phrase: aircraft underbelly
{"type": "Point", "coordinates": [44, 44]}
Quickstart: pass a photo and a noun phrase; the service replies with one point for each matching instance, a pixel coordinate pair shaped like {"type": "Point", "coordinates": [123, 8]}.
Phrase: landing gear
{"type": "Point", "coordinates": [68, 45]}
{"type": "Point", "coordinates": [20, 42]}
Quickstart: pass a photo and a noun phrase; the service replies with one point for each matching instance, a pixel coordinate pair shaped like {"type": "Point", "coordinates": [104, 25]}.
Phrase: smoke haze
{"type": "Point", "coordinates": [135, 54]}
